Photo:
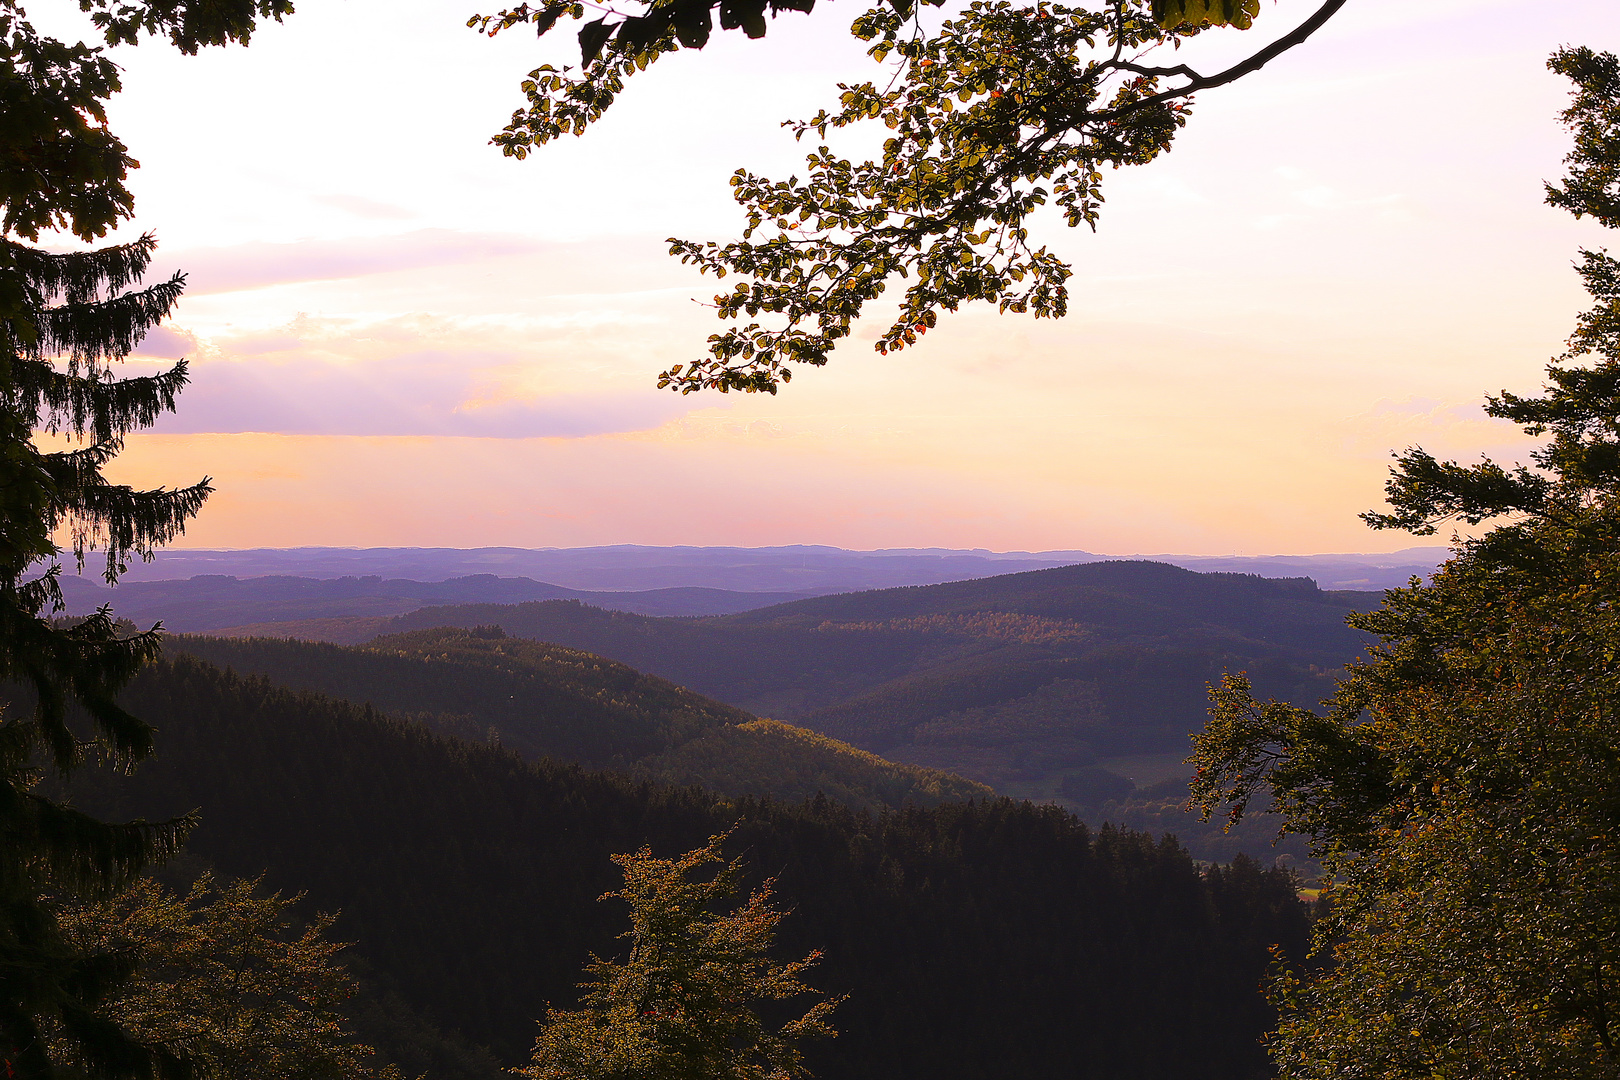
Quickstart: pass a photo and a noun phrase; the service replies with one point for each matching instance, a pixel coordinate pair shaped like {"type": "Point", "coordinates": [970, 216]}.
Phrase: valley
{"type": "Point", "coordinates": [1076, 686]}
{"type": "Point", "coordinates": [964, 933]}
{"type": "Point", "coordinates": [982, 778]}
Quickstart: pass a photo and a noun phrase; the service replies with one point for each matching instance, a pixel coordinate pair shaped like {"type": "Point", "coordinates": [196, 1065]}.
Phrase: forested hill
{"type": "Point", "coordinates": [1018, 679]}
{"type": "Point", "coordinates": [538, 699]}
{"type": "Point", "coordinates": [1121, 599]}
{"type": "Point", "coordinates": [976, 941]}
{"type": "Point", "coordinates": [549, 701]}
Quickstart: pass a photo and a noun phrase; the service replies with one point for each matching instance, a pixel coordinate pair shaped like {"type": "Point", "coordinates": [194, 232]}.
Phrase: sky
{"type": "Point", "coordinates": [399, 337]}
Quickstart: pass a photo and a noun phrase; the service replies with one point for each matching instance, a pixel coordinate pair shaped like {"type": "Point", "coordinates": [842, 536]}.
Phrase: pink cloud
{"type": "Point", "coordinates": [166, 343]}
{"type": "Point", "coordinates": [363, 207]}
{"type": "Point", "coordinates": [427, 393]}
{"type": "Point", "coordinates": [257, 265]}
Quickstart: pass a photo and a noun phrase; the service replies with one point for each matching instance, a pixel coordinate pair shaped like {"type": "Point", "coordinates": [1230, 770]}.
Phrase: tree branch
{"type": "Point", "coordinates": [1232, 74]}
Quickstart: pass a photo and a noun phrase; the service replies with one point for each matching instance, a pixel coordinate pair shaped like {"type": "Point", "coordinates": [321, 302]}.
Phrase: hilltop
{"type": "Point", "coordinates": [1077, 684]}
{"type": "Point", "coordinates": [796, 568]}
{"type": "Point", "coordinates": [212, 602]}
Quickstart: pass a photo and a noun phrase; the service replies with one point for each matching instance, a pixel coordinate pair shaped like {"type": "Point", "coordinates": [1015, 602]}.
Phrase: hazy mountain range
{"type": "Point", "coordinates": [219, 602]}
{"type": "Point", "coordinates": [803, 570]}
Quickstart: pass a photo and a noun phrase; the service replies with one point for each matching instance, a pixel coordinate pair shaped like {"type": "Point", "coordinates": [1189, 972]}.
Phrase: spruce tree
{"type": "Point", "coordinates": [66, 319]}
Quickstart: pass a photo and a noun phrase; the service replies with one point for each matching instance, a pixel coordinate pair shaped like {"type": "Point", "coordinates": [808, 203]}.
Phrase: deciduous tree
{"type": "Point", "coordinates": [225, 976]}
{"type": "Point", "coordinates": [1462, 786]}
{"type": "Point", "coordinates": [1002, 109]}
{"type": "Point", "coordinates": [685, 1003]}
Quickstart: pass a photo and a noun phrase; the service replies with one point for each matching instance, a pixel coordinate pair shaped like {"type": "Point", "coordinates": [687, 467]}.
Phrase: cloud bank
{"type": "Point", "coordinates": [258, 265]}
{"type": "Point", "coordinates": [425, 393]}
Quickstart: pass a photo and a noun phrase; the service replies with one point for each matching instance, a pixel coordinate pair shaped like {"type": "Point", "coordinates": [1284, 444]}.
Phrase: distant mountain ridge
{"type": "Point", "coordinates": [217, 601]}
{"type": "Point", "coordinates": [801, 569]}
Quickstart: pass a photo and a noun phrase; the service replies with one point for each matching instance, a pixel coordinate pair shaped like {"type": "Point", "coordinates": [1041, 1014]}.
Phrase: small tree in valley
{"type": "Point", "coordinates": [683, 1005]}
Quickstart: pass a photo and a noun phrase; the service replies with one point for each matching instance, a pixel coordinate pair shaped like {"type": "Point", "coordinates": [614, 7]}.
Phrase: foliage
{"type": "Point", "coordinates": [64, 318]}
{"type": "Point", "coordinates": [468, 881]}
{"type": "Point", "coordinates": [60, 166]}
{"type": "Point", "coordinates": [1461, 785]}
{"type": "Point", "coordinates": [684, 1004]}
{"type": "Point", "coordinates": [221, 974]}
{"type": "Point", "coordinates": [1163, 808]}
{"type": "Point", "coordinates": [535, 698]}
{"type": "Point", "coordinates": [767, 759]}
{"type": "Point", "coordinates": [999, 111]}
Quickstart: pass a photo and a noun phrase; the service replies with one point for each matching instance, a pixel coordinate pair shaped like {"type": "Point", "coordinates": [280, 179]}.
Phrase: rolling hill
{"type": "Point", "coordinates": [1017, 680]}
{"type": "Point", "coordinates": [217, 601]}
{"type": "Point", "coordinates": [548, 701]}
{"type": "Point", "coordinates": [799, 568]}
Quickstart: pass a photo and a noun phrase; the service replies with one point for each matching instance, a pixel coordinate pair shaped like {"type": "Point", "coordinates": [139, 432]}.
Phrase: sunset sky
{"type": "Point", "coordinates": [401, 338]}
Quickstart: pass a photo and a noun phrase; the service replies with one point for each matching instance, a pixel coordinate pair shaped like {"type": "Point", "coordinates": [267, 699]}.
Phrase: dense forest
{"type": "Point", "coordinates": [1077, 685]}
{"type": "Point", "coordinates": [549, 701]}
{"type": "Point", "coordinates": [1024, 673]}
{"type": "Point", "coordinates": [978, 939]}
{"type": "Point", "coordinates": [1458, 785]}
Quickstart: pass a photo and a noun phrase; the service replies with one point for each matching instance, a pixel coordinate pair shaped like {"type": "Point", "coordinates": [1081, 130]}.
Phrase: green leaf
{"type": "Point", "coordinates": [1171, 14]}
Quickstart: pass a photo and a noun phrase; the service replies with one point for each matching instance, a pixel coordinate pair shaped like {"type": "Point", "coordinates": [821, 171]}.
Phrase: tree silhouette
{"type": "Point", "coordinates": [66, 319]}
{"type": "Point", "coordinates": [997, 112]}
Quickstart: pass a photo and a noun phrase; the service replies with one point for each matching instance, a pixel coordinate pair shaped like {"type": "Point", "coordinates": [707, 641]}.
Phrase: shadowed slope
{"type": "Point", "coordinates": [549, 701]}
{"type": "Point", "coordinates": [1086, 661]}
{"type": "Point", "coordinates": [977, 941]}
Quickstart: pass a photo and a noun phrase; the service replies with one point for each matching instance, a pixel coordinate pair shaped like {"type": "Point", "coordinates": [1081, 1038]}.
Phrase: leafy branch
{"type": "Point", "coordinates": [1002, 110]}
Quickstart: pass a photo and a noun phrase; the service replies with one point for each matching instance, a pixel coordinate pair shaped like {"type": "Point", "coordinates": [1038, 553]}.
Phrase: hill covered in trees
{"type": "Point", "coordinates": [975, 940]}
{"type": "Point", "coordinates": [545, 700]}
{"type": "Point", "coordinates": [1077, 685]}
{"type": "Point", "coordinates": [1021, 681]}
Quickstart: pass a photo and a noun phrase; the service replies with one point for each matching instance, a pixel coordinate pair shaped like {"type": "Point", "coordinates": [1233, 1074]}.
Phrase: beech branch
{"type": "Point", "coordinates": [1204, 82]}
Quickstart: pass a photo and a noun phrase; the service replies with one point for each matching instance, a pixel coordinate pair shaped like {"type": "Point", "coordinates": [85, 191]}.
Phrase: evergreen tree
{"type": "Point", "coordinates": [65, 320]}
{"type": "Point", "coordinates": [683, 1005]}
{"type": "Point", "coordinates": [1462, 786]}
